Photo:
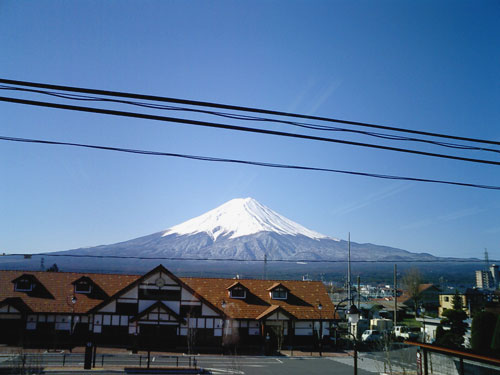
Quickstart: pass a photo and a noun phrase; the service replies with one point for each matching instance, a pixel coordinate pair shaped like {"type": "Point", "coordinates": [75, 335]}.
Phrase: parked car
{"type": "Point", "coordinates": [404, 333]}
{"type": "Point", "coordinates": [371, 335]}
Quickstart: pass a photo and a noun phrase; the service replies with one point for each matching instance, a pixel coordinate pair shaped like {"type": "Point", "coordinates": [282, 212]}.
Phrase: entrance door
{"type": "Point", "coordinates": [158, 337]}
{"type": "Point", "coordinates": [276, 333]}
{"type": "Point", "coordinates": [12, 331]}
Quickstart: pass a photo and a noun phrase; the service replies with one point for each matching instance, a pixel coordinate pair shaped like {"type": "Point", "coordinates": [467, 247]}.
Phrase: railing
{"type": "Point", "coordinates": [439, 360]}
{"type": "Point", "coordinates": [36, 362]}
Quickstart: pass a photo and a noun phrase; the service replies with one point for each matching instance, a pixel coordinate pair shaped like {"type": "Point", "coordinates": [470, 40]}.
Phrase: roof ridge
{"type": "Point", "coordinates": [78, 273]}
{"type": "Point", "coordinates": [242, 279]}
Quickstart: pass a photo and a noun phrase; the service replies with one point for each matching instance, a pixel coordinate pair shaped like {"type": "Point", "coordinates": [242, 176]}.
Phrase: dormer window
{"type": "Point", "coordinates": [278, 291]}
{"type": "Point", "coordinates": [30, 285]}
{"type": "Point", "coordinates": [237, 290]}
{"type": "Point", "coordinates": [23, 285]}
{"type": "Point", "coordinates": [83, 285]}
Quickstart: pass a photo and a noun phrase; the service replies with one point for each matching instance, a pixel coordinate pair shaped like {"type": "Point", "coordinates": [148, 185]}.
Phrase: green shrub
{"type": "Point", "coordinates": [482, 332]}
{"type": "Point", "coordinates": [495, 341]}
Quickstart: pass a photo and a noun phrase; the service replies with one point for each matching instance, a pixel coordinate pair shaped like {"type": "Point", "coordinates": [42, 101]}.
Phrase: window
{"type": "Point", "coordinates": [127, 308]}
{"type": "Point", "coordinates": [24, 285]}
{"type": "Point", "coordinates": [279, 293]}
{"type": "Point", "coordinates": [83, 286]}
{"type": "Point", "coordinates": [238, 292]}
{"type": "Point", "coordinates": [190, 310]}
{"type": "Point", "coordinates": [446, 299]}
{"type": "Point", "coordinates": [160, 294]}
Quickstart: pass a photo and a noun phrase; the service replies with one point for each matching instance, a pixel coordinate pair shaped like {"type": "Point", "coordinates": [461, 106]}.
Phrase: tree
{"type": "Point", "coordinates": [457, 302]}
{"type": "Point", "coordinates": [53, 268]}
{"type": "Point", "coordinates": [411, 282]}
{"type": "Point", "coordinates": [482, 332]}
{"type": "Point", "coordinates": [451, 330]}
{"type": "Point", "coordinates": [495, 341]}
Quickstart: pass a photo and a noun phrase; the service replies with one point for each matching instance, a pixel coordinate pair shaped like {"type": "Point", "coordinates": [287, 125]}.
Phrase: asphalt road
{"type": "Point", "coordinates": [238, 365]}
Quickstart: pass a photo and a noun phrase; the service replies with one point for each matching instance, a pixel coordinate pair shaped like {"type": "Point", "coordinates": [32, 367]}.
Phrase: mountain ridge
{"type": "Point", "coordinates": [243, 229]}
{"type": "Point", "coordinates": [201, 253]}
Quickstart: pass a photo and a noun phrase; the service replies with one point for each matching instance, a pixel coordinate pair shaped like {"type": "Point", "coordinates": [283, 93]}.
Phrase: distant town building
{"type": "Point", "coordinates": [473, 299]}
{"type": "Point", "coordinates": [488, 279]}
{"type": "Point", "coordinates": [428, 298]}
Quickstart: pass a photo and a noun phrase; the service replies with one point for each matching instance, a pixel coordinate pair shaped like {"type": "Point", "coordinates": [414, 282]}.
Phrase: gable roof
{"type": "Point", "coordinates": [160, 305]}
{"type": "Point", "coordinates": [60, 288]}
{"type": "Point", "coordinates": [272, 309]}
{"type": "Point", "coordinates": [424, 287]}
{"type": "Point", "coordinates": [26, 276]}
{"type": "Point", "coordinates": [277, 285]}
{"type": "Point", "coordinates": [83, 279]}
{"type": "Point", "coordinates": [17, 303]}
{"type": "Point", "coordinates": [235, 284]}
{"type": "Point", "coordinates": [302, 302]}
{"type": "Point", "coordinates": [162, 269]}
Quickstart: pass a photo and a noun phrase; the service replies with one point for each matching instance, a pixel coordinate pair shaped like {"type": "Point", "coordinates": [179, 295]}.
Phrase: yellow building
{"type": "Point", "coordinates": [446, 302]}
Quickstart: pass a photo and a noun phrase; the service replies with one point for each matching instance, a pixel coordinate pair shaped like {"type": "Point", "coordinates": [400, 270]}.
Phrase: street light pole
{"type": "Point", "coordinates": [320, 307]}
{"type": "Point", "coordinates": [334, 317]}
{"type": "Point", "coordinates": [353, 317]}
{"type": "Point", "coordinates": [349, 266]}
{"type": "Point", "coordinates": [355, 355]}
{"type": "Point", "coordinates": [71, 301]}
{"type": "Point", "coordinates": [422, 310]}
{"type": "Point", "coordinates": [223, 305]}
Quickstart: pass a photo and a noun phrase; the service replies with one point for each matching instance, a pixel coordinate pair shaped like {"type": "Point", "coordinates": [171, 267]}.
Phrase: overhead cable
{"type": "Point", "coordinates": [235, 108]}
{"type": "Point", "coordinates": [444, 260]}
{"type": "Point", "coordinates": [248, 162]}
{"type": "Point", "coordinates": [237, 128]}
{"type": "Point", "coordinates": [235, 116]}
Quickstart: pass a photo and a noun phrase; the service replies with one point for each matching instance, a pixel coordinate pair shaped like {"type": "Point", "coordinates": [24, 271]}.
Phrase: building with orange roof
{"type": "Point", "coordinates": [428, 297]}
{"type": "Point", "coordinates": [159, 310]}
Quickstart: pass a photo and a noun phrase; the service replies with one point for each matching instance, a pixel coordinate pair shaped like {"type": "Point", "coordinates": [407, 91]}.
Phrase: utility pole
{"type": "Point", "coordinates": [358, 291]}
{"type": "Point", "coordinates": [349, 268]}
{"type": "Point", "coordinates": [395, 295]}
{"type": "Point", "coordinates": [265, 266]}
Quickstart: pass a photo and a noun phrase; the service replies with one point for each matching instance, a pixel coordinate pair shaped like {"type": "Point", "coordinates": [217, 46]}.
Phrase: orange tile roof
{"type": "Point", "coordinates": [275, 285]}
{"type": "Point", "coordinates": [59, 285]}
{"type": "Point", "coordinates": [424, 287]}
{"type": "Point", "coordinates": [235, 284]}
{"type": "Point", "coordinates": [269, 311]}
{"type": "Point", "coordinates": [302, 301]}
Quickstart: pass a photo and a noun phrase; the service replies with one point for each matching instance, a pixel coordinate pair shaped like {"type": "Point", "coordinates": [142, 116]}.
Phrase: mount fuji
{"type": "Point", "coordinates": [244, 229]}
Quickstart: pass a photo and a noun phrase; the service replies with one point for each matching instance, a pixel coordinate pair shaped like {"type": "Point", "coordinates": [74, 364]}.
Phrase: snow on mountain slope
{"type": "Point", "coordinates": [241, 217]}
{"type": "Point", "coordinates": [244, 229]}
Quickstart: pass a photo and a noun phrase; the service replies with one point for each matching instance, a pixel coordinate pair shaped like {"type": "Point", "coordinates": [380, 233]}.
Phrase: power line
{"type": "Point", "coordinates": [237, 128]}
{"type": "Point", "coordinates": [248, 162]}
{"type": "Point", "coordinates": [445, 260]}
{"type": "Point", "coordinates": [236, 108]}
{"type": "Point", "coordinates": [251, 118]}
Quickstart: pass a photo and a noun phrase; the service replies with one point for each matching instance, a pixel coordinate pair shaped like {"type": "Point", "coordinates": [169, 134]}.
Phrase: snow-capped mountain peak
{"type": "Point", "coordinates": [241, 217]}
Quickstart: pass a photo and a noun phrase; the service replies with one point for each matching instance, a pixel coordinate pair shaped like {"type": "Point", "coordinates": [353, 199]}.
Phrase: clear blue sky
{"type": "Point", "coordinates": [428, 65]}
